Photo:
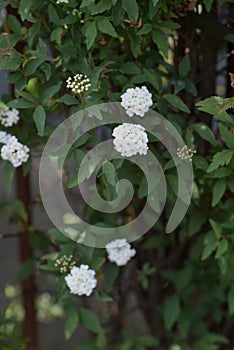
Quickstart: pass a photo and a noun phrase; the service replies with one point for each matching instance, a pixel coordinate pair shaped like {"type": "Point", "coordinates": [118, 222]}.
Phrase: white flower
{"type": "Point", "coordinates": [185, 153]}
{"type": "Point", "coordinates": [136, 101]}
{"type": "Point", "coordinates": [81, 280]}
{"type": "Point", "coordinates": [130, 139]}
{"type": "Point", "coordinates": [8, 116]}
{"type": "Point", "coordinates": [119, 251]}
{"type": "Point", "coordinates": [4, 137]}
{"type": "Point", "coordinates": [78, 83]}
{"type": "Point", "coordinates": [15, 152]}
{"type": "Point", "coordinates": [62, 2]}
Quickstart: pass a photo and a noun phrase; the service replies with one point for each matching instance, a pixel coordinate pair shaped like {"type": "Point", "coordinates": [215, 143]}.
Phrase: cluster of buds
{"type": "Point", "coordinates": [78, 84]}
{"type": "Point", "coordinates": [65, 263]}
{"type": "Point", "coordinates": [185, 153]}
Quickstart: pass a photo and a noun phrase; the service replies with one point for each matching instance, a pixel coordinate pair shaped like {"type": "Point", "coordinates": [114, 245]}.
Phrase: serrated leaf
{"type": "Point", "coordinates": [227, 136]}
{"type": "Point", "coordinates": [86, 3]}
{"type": "Point", "coordinates": [171, 312]}
{"type": "Point", "coordinates": [39, 117]}
{"type": "Point", "coordinates": [24, 8]}
{"type": "Point", "coordinates": [105, 26]}
{"type": "Point", "coordinates": [218, 192]}
{"type": "Point", "coordinates": [220, 158]}
{"type": "Point", "coordinates": [211, 106]}
{"type": "Point", "coordinates": [205, 132]}
{"type": "Point", "coordinates": [176, 102]}
{"type": "Point", "coordinates": [132, 9]}
{"type": "Point", "coordinates": [184, 66]}
{"type": "Point", "coordinates": [89, 320]}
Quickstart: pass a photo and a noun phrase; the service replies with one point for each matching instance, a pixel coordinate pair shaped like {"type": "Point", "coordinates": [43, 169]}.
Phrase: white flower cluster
{"type": "Point", "coordinates": [136, 101]}
{"type": "Point", "coordinates": [4, 137]}
{"type": "Point", "coordinates": [120, 251]}
{"type": "Point", "coordinates": [81, 280]}
{"type": "Point", "coordinates": [13, 150]}
{"type": "Point", "coordinates": [130, 139]}
{"type": "Point", "coordinates": [8, 116]}
{"type": "Point", "coordinates": [185, 153]}
{"type": "Point", "coordinates": [78, 83]}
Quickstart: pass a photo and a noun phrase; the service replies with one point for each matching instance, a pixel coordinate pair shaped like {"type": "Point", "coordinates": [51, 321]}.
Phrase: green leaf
{"type": "Point", "coordinates": [19, 209]}
{"type": "Point", "coordinates": [184, 66]}
{"type": "Point", "coordinates": [32, 65]}
{"type": "Point", "coordinates": [14, 24]}
{"type": "Point", "coordinates": [227, 103]}
{"type": "Point", "coordinates": [109, 172]}
{"type": "Point", "coordinates": [161, 41]}
{"type": "Point", "coordinates": [205, 132]}
{"type": "Point", "coordinates": [90, 33]}
{"type": "Point", "coordinates": [89, 320]}
{"type": "Point", "coordinates": [86, 3]}
{"type": "Point", "coordinates": [39, 117]}
{"type": "Point", "coordinates": [26, 269]}
{"type": "Point", "coordinates": [68, 100]}
{"type": "Point", "coordinates": [132, 9]}
{"type": "Point", "coordinates": [210, 242]}
{"type": "Point", "coordinates": [146, 29]}
{"type": "Point", "coordinates": [8, 173]}
{"type": "Point", "coordinates": [176, 102]}
{"type": "Point", "coordinates": [110, 274]}
{"type": "Point", "coordinates": [72, 319]}
{"type": "Point", "coordinates": [211, 106]}
{"type": "Point", "coordinates": [105, 26]}
{"type": "Point", "coordinates": [102, 6]}
{"type": "Point", "coordinates": [56, 35]}
{"type": "Point", "coordinates": [53, 15]}
{"type": "Point", "coordinates": [208, 4]}
{"type": "Point", "coordinates": [171, 312]}
{"type": "Point", "coordinates": [222, 248]}
{"type": "Point", "coordinates": [220, 158]}
{"type": "Point", "coordinates": [227, 136]}
{"type": "Point", "coordinates": [11, 63]}
{"type": "Point", "coordinates": [216, 228]}
{"type": "Point", "coordinates": [58, 237]}
{"type": "Point", "coordinates": [104, 297]}
{"type": "Point", "coordinates": [88, 168]}
{"type": "Point", "coordinates": [218, 192]}
{"type": "Point", "coordinates": [24, 8]}
{"type": "Point", "coordinates": [20, 103]}
{"type": "Point", "coordinates": [49, 92]}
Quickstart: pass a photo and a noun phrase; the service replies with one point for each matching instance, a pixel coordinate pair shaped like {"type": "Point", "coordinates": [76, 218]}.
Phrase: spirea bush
{"type": "Point", "coordinates": [163, 291]}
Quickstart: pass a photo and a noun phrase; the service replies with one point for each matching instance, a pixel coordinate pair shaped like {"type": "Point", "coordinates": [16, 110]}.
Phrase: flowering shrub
{"type": "Point", "coordinates": [65, 56]}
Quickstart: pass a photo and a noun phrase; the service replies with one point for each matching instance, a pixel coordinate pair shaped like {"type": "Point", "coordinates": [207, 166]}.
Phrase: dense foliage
{"type": "Point", "coordinates": [177, 292]}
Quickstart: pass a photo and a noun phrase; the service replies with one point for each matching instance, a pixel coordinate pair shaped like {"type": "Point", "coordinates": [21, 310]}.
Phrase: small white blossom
{"type": "Point", "coordinates": [130, 139]}
{"type": "Point", "coordinates": [15, 152]}
{"type": "Point", "coordinates": [119, 251]}
{"type": "Point", "coordinates": [78, 83]}
{"type": "Point", "coordinates": [8, 116]}
{"type": "Point", "coordinates": [4, 137]}
{"type": "Point", "coordinates": [136, 101]}
{"type": "Point", "coordinates": [81, 280]}
{"type": "Point", "coordinates": [62, 1]}
{"type": "Point", "coordinates": [185, 153]}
